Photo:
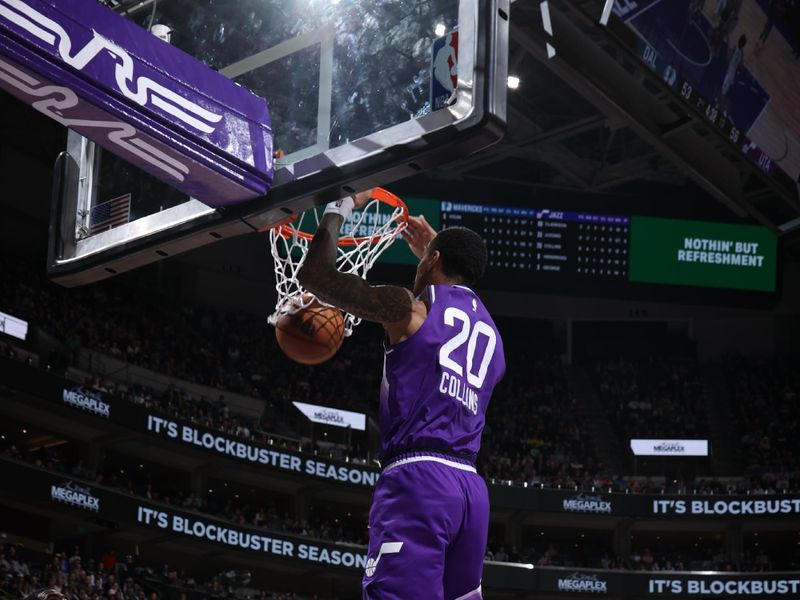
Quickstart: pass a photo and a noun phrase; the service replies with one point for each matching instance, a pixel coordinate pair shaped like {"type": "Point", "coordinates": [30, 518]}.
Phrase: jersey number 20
{"type": "Point", "coordinates": [471, 333]}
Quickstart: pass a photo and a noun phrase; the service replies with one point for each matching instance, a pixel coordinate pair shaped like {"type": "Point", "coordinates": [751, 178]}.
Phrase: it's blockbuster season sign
{"type": "Point", "coordinates": [210, 530]}
{"type": "Point", "coordinates": [43, 489]}
{"type": "Point", "coordinates": [648, 505]}
{"type": "Point", "coordinates": [39, 486]}
{"type": "Point", "coordinates": [257, 454]}
{"type": "Point", "coordinates": [598, 582]}
{"type": "Point", "coordinates": [85, 403]}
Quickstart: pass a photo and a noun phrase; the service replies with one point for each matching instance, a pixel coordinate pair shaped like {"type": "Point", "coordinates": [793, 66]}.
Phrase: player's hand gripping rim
{"type": "Point", "coordinates": [418, 234]}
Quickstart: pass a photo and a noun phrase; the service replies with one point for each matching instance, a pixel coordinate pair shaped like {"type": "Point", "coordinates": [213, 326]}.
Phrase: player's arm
{"type": "Point", "coordinates": [393, 306]}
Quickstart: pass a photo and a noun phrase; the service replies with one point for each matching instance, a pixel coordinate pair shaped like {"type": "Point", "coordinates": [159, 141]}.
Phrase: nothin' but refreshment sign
{"type": "Point", "coordinates": [699, 253]}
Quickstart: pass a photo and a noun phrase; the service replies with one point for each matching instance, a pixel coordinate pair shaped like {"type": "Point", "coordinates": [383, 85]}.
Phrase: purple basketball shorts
{"type": "Point", "coordinates": [427, 530]}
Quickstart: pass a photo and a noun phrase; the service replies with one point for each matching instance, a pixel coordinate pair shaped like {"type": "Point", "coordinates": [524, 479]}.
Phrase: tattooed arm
{"type": "Point", "coordinates": [392, 306]}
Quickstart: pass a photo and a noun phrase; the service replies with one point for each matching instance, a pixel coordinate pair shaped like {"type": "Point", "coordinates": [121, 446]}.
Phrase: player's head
{"type": "Point", "coordinates": [455, 255]}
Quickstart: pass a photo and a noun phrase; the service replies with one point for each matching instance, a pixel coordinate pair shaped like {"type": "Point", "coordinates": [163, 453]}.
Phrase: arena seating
{"type": "Point", "coordinates": [111, 577]}
{"type": "Point", "coordinates": [533, 435]}
{"type": "Point", "coordinates": [652, 398]}
{"type": "Point", "coordinates": [764, 397]}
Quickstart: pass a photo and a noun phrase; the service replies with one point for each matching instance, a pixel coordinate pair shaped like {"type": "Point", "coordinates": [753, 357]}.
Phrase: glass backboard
{"type": "Point", "coordinates": [359, 92]}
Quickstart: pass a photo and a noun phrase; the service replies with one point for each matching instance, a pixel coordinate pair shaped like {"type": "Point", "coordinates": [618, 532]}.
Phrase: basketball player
{"type": "Point", "coordinates": [430, 510]}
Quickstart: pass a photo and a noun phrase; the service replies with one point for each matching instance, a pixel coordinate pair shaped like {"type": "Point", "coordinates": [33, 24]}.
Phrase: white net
{"type": "Point", "coordinates": [363, 238]}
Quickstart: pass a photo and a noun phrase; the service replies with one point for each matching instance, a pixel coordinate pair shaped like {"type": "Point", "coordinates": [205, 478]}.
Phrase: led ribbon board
{"type": "Point", "coordinates": [138, 97]}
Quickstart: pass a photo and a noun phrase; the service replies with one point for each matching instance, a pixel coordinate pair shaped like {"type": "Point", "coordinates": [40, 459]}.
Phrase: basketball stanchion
{"type": "Point", "coordinates": [308, 330]}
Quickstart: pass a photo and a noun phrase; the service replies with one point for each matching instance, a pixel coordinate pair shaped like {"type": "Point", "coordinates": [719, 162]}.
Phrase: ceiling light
{"type": "Point", "coordinates": [513, 82]}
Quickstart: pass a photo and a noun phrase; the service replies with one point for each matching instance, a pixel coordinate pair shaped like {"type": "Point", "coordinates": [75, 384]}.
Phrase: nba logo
{"type": "Point", "coordinates": [444, 69]}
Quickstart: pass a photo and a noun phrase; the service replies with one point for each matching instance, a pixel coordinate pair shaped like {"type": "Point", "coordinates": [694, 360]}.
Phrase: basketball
{"type": "Point", "coordinates": [311, 335]}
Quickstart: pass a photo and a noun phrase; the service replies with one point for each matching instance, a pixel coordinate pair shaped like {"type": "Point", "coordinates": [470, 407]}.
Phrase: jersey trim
{"type": "Point", "coordinates": [436, 459]}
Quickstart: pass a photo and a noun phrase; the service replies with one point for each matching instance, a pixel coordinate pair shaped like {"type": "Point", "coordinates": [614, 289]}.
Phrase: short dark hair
{"type": "Point", "coordinates": [463, 253]}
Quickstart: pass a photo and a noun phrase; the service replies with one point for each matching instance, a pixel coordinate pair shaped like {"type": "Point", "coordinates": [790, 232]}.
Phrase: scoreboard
{"type": "Point", "coordinates": [547, 242]}
{"type": "Point", "coordinates": [562, 251]}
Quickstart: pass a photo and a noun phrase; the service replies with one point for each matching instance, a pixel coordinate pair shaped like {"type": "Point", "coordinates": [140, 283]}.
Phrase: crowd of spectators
{"type": "Point", "coordinates": [534, 434]}
{"type": "Point", "coordinates": [655, 398]}
{"type": "Point", "coordinates": [224, 350]}
{"type": "Point", "coordinates": [765, 399]}
{"type": "Point", "coordinates": [665, 556]}
{"type": "Point", "coordinates": [108, 577]}
{"type": "Point", "coordinates": [580, 555]}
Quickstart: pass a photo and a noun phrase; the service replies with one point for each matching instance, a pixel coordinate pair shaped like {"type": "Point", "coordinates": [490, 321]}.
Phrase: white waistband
{"type": "Point", "coordinates": [423, 458]}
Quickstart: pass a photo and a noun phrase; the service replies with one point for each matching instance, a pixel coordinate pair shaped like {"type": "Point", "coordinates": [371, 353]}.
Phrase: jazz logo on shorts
{"type": "Point", "coordinates": [386, 548]}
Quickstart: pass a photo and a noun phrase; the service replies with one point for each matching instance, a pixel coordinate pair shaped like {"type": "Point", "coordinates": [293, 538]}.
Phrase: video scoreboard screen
{"type": "Point", "coordinates": [749, 94]}
{"type": "Point", "coordinates": [547, 242]}
{"type": "Point", "coordinates": [546, 250]}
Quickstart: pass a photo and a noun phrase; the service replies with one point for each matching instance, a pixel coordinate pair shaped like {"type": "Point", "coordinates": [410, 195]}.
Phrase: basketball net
{"type": "Point", "coordinates": [363, 238]}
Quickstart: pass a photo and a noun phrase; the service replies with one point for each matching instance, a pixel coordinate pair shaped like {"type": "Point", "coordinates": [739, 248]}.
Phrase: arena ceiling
{"type": "Point", "coordinates": [592, 120]}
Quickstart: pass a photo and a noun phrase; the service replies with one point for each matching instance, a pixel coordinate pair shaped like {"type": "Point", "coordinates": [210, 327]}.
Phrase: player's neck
{"type": "Point", "coordinates": [442, 279]}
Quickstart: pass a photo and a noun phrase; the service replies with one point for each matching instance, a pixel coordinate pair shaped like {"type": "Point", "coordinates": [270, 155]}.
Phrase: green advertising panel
{"type": "Point", "coordinates": [704, 254]}
{"type": "Point", "coordinates": [398, 253]}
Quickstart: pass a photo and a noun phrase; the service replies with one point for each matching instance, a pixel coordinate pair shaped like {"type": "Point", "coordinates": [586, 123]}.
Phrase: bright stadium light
{"type": "Point", "coordinates": [513, 82]}
{"type": "Point", "coordinates": [440, 29]}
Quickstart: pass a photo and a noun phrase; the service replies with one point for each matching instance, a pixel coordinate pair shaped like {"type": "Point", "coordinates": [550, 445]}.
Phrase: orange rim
{"type": "Point", "coordinates": [380, 194]}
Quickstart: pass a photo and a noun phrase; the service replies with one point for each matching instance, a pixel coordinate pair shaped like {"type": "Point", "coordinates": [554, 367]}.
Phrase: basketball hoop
{"type": "Point", "coordinates": [364, 237]}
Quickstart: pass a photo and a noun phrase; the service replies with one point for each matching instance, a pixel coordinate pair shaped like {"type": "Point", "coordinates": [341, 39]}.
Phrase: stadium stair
{"type": "Point", "coordinates": [722, 431]}
{"type": "Point", "coordinates": [601, 434]}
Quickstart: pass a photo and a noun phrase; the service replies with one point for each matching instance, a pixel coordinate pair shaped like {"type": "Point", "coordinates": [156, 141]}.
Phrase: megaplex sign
{"type": "Point", "coordinates": [332, 416]}
{"type": "Point", "coordinates": [583, 582]}
{"type": "Point", "coordinates": [587, 503]}
{"type": "Point", "coordinates": [74, 494]}
{"type": "Point", "coordinates": [669, 447]}
{"type": "Point", "coordinates": [88, 400]}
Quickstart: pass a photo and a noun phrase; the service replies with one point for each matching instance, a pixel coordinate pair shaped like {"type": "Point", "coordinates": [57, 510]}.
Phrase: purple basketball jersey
{"type": "Point", "coordinates": [437, 383]}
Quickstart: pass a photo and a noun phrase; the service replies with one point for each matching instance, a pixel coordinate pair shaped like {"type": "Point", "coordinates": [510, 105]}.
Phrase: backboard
{"type": "Point", "coordinates": [360, 93]}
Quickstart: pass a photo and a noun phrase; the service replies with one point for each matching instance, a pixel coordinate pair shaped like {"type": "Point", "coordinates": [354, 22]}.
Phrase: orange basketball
{"type": "Point", "coordinates": [312, 335]}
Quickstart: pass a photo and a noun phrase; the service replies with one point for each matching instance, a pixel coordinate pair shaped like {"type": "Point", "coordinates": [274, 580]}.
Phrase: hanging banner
{"type": "Point", "coordinates": [669, 447]}
{"type": "Point", "coordinates": [11, 325]}
{"type": "Point", "coordinates": [333, 416]}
